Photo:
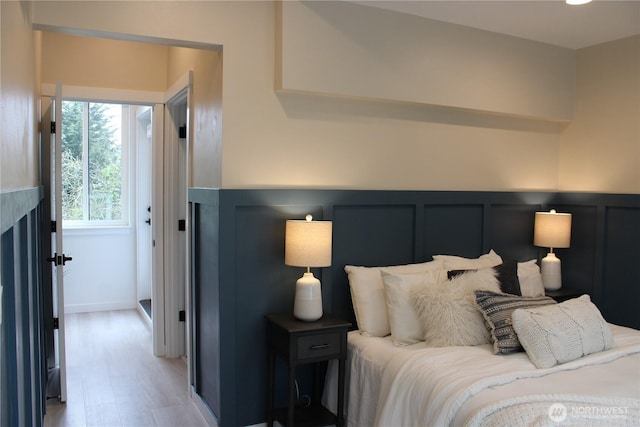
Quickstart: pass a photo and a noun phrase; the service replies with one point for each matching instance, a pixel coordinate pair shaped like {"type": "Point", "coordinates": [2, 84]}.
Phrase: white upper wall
{"type": "Point", "coordinates": [20, 48]}
{"type": "Point", "coordinates": [118, 64]}
{"type": "Point", "coordinates": [104, 63]}
{"type": "Point", "coordinates": [291, 140]}
{"type": "Point", "coordinates": [600, 150]}
{"type": "Point", "coordinates": [349, 49]}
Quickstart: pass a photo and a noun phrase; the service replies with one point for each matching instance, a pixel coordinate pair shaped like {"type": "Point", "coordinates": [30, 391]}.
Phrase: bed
{"type": "Point", "coordinates": [396, 377]}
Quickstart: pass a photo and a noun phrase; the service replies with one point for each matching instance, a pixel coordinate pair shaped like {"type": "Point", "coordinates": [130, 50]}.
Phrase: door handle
{"type": "Point", "coordinates": [59, 259]}
{"type": "Point", "coordinates": [148, 221]}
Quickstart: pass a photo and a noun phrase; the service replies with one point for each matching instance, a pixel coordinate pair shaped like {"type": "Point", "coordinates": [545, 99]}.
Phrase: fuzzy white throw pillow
{"type": "Point", "coordinates": [449, 313]}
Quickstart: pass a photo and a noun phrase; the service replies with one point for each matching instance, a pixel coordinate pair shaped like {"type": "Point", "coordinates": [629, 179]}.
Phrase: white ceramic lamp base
{"type": "Point", "coordinates": [551, 272]}
{"type": "Point", "coordinates": [308, 302]}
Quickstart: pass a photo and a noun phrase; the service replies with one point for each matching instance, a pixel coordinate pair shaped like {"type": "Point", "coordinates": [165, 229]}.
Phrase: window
{"type": "Point", "coordinates": [94, 164]}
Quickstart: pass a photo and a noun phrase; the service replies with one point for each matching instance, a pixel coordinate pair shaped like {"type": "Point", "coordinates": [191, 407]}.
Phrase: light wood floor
{"type": "Point", "coordinates": [113, 378]}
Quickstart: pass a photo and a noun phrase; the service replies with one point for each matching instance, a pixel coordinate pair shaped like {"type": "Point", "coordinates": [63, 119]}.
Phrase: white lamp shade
{"type": "Point", "coordinates": [308, 243]}
{"type": "Point", "coordinates": [552, 230]}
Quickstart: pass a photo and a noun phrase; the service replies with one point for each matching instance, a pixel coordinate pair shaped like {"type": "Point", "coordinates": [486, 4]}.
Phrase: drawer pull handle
{"type": "Point", "coordinates": [319, 346]}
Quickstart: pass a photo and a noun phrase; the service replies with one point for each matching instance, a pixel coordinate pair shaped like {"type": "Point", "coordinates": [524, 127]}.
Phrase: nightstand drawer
{"type": "Point", "coordinates": [318, 345]}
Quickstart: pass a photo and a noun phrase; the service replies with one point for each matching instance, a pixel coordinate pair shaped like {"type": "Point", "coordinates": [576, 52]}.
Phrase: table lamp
{"type": "Point", "coordinates": [552, 230]}
{"type": "Point", "coordinates": [308, 244]}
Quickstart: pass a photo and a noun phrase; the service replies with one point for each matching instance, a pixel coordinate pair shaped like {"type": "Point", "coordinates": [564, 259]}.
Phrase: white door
{"type": "Point", "coordinates": [52, 183]}
{"type": "Point", "coordinates": [144, 215]}
{"type": "Point", "coordinates": [157, 230]}
{"type": "Point", "coordinates": [176, 184]}
{"type": "Point", "coordinates": [178, 128]}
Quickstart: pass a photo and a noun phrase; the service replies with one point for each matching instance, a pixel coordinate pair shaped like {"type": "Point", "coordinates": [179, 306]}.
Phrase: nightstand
{"type": "Point", "coordinates": [564, 294]}
{"type": "Point", "coordinates": [299, 342]}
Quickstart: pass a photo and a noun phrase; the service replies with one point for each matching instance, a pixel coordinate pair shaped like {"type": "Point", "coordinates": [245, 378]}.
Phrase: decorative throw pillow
{"type": "Point", "coordinates": [530, 279]}
{"type": "Point", "coordinates": [367, 294]}
{"type": "Point", "coordinates": [497, 309]}
{"type": "Point", "coordinates": [448, 311]}
{"type": "Point", "coordinates": [506, 273]}
{"type": "Point", "coordinates": [452, 262]}
{"type": "Point", "coordinates": [406, 327]}
{"type": "Point", "coordinates": [563, 332]}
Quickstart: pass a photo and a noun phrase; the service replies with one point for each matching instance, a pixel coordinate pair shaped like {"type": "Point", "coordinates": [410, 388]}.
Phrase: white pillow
{"type": "Point", "coordinates": [559, 333]}
{"type": "Point", "coordinates": [452, 262]}
{"type": "Point", "coordinates": [448, 311]}
{"type": "Point", "coordinates": [530, 279]}
{"type": "Point", "coordinates": [406, 327]}
{"type": "Point", "coordinates": [368, 296]}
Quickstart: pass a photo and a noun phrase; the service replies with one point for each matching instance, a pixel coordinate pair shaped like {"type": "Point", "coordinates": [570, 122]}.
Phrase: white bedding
{"type": "Point", "coordinates": [417, 385]}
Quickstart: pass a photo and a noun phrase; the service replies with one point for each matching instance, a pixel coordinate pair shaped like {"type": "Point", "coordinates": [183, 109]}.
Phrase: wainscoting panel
{"type": "Point", "coordinates": [579, 267]}
{"type": "Point", "coordinates": [22, 350]}
{"type": "Point", "coordinates": [368, 235]}
{"type": "Point", "coordinates": [205, 309]}
{"type": "Point", "coordinates": [511, 232]}
{"type": "Point", "coordinates": [239, 273]}
{"type": "Point", "coordinates": [453, 230]}
{"type": "Point", "coordinates": [621, 269]}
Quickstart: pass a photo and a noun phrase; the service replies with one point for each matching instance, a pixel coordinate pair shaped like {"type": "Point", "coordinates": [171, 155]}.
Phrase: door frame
{"type": "Point", "coordinates": [177, 265]}
{"type": "Point", "coordinates": [157, 101]}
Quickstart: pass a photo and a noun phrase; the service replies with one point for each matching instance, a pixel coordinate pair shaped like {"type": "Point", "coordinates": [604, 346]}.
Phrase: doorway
{"type": "Point", "coordinates": [176, 61]}
{"type": "Point", "coordinates": [100, 216]}
{"type": "Point", "coordinates": [144, 241]}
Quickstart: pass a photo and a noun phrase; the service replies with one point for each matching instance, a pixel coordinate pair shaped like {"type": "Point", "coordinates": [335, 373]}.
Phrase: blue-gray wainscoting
{"type": "Point", "coordinates": [239, 274]}
{"type": "Point", "coordinates": [22, 338]}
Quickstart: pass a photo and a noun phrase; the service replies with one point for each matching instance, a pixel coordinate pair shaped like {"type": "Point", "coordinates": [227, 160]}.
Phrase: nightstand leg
{"type": "Point", "coordinates": [340, 414]}
{"type": "Point", "coordinates": [292, 396]}
{"type": "Point", "coordinates": [270, 381]}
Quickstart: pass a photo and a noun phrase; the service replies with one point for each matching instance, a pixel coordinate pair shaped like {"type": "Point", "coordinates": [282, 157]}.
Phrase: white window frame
{"type": "Point", "coordinates": [126, 166]}
{"type": "Point", "coordinates": [119, 96]}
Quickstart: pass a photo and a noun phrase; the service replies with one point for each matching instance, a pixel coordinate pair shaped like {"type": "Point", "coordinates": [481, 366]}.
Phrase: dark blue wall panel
{"type": "Point", "coordinates": [579, 261]}
{"type": "Point", "coordinates": [621, 272]}
{"type": "Point", "coordinates": [511, 230]}
{"type": "Point", "coordinates": [453, 230]}
{"type": "Point", "coordinates": [368, 235]}
{"type": "Point", "coordinates": [206, 345]}
{"type": "Point", "coordinates": [239, 272]}
{"type": "Point", "coordinates": [22, 351]}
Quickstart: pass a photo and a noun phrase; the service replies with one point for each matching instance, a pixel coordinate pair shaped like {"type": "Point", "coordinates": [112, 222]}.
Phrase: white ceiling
{"type": "Point", "coordinates": [545, 21]}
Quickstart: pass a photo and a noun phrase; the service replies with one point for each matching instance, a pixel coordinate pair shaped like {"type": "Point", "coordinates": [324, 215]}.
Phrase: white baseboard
{"type": "Point", "coordinates": [106, 306]}
{"type": "Point", "coordinates": [204, 409]}
{"type": "Point", "coordinates": [144, 317]}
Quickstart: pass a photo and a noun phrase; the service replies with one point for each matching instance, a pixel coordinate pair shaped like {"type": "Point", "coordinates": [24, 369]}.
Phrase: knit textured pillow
{"type": "Point", "coordinates": [496, 309]}
{"type": "Point", "coordinates": [563, 332]}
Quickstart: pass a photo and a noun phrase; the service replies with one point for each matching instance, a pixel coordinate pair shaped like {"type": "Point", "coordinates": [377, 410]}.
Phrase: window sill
{"type": "Point", "coordinates": [97, 230]}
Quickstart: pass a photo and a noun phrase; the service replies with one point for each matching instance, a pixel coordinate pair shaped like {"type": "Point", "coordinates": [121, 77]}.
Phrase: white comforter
{"type": "Point", "coordinates": [422, 386]}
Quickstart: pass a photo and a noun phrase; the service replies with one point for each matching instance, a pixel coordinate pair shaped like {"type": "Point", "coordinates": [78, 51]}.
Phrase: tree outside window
{"type": "Point", "coordinates": [93, 182]}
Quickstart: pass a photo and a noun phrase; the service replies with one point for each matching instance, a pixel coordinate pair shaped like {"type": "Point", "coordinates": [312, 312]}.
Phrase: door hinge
{"type": "Point", "coordinates": [182, 225]}
{"type": "Point", "coordinates": [56, 323]}
{"type": "Point", "coordinates": [54, 226]}
{"type": "Point", "coordinates": [182, 315]}
{"type": "Point", "coordinates": [53, 127]}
